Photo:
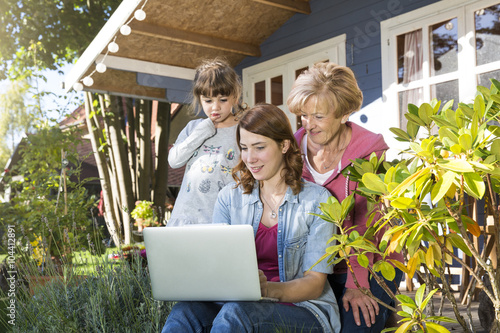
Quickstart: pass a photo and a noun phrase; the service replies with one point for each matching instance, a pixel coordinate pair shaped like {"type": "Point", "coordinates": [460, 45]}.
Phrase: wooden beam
{"type": "Point", "coordinates": [297, 6]}
{"type": "Point", "coordinates": [188, 37]}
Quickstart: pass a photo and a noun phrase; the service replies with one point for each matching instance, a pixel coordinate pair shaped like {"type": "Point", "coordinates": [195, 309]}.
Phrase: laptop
{"type": "Point", "coordinates": [204, 262]}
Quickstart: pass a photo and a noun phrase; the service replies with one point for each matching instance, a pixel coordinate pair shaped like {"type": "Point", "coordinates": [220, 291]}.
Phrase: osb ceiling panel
{"type": "Point", "coordinates": [124, 83]}
{"type": "Point", "coordinates": [244, 20]}
{"type": "Point", "coordinates": [183, 32]}
{"type": "Point", "coordinates": [240, 21]}
{"type": "Point", "coordinates": [172, 53]}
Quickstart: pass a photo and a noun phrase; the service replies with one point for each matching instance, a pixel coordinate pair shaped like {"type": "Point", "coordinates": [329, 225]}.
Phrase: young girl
{"type": "Point", "coordinates": [270, 195]}
{"type": "Point", "coordinates": [207, 146]}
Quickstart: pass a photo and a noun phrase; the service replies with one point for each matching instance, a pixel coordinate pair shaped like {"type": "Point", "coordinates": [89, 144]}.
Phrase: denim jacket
{"type": "Point", "coordinates": [302, 237]}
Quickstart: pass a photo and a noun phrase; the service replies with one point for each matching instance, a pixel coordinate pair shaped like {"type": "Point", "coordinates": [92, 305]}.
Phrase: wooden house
{"type": "Point", "coordinates": [401, 51]}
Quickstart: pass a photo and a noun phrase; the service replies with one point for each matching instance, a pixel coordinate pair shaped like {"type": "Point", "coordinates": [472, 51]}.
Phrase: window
{"type": "Point", "coordinates": [272, 80]}
{"type": "Point", "coordinates": [440, 51]}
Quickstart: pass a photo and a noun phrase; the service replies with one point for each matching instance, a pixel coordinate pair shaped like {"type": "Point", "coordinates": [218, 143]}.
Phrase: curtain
{"type": "Point", "coordinates": [412, 71]}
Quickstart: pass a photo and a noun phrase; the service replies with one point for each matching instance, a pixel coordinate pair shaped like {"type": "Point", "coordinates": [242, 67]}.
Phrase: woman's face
{"type": "Point", "coordinates": [218, 109]}
{"type": "Point", "coordinates": [320, 123]}
{"type": "Point", "coordinates": [262, 155]}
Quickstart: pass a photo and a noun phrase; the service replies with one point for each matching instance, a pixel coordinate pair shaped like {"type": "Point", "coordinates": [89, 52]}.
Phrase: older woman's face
{"type": "Point", "coordinates": [320, 123]}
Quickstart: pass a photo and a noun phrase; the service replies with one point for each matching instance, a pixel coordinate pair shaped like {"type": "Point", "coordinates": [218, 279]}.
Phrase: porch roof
{"type": "Point", "coordinates": [174, 37]}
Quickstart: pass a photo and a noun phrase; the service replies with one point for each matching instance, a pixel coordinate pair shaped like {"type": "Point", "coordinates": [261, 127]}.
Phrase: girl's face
{"type": "Point", "coordinates": [218, 109]}
{"type": "Point", "coordinates": [320, 123]}
{"type": "Point", "coordinates": [262, 155]}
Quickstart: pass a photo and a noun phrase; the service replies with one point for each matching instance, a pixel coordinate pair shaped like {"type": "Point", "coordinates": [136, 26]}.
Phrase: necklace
{"type": "Point", "coordinates": [325, 167]}
{"type": "Point", "coordinates": [273, 214]}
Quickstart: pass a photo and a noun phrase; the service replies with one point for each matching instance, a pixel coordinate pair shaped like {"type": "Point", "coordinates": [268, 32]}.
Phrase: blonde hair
{"type": "Point", "coordinates": [215, 77]}
{"type": "Point", "coordinates": [329, 83]}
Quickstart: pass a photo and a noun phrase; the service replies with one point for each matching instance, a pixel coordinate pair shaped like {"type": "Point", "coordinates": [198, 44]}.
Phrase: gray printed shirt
{"type": "Point", "coordinates": [209, 155]}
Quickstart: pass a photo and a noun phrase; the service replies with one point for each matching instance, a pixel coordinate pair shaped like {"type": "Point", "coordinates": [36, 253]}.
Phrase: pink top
{"type": "Point", "coordinates": [266, 245]}
{"type": "Point", "coordinates": [362, 144]}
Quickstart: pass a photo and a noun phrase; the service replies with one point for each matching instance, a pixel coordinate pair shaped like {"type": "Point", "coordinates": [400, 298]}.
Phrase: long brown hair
{"type": "Point", "coordinates": [269, 121]}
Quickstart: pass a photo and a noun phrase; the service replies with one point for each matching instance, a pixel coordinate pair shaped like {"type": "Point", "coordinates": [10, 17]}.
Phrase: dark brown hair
{"type": "Point", "coordinates": [216, 77]}
{"type": "Point", "coordinates": [269, 121]}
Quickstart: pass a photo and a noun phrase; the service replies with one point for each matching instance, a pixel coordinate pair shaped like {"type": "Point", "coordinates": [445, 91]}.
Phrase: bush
{"type": "Point", "coordinates": [116, 298]}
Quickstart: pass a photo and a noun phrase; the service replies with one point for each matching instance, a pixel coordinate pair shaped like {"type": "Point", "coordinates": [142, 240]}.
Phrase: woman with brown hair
{"type": "Point", "coordinates": [270, 195]}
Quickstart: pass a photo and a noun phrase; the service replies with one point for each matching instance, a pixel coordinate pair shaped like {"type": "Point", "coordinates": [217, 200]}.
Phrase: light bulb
{"type": "Point", "coordinates": [125, 30]}
{"type": "Point", "coordinates": [78, 86]}
{"type": "Point", "coordinates": [113, 47]}
{"type": "Point", "coordinates": [100, 67]}
{"type": "Point", "coordinates": [88, 81]}
{"type": "Point", "coordinates": [140, 15]}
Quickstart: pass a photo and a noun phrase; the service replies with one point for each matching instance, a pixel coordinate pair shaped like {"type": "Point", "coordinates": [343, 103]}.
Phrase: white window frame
{"type": "Point", "coordinates": [467, 72]}
{"type": "Point", "coordinates": [421, 18]}
{"type": "Point", "coordinates": [332, 49]}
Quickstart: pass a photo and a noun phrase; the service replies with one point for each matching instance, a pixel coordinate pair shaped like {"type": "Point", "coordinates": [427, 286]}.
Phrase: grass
{"type": "Point", "coordinates": [93, 294]}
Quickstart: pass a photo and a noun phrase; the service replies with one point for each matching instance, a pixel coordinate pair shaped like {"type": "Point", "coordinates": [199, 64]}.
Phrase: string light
{"type": "Point", "coordinates": [125, 30]}
{"type": "Point", "coordinates": [88, 81]}
{"type": "Point", "coordinates": [100, 67]}
{"type": "Point", "coordinates": [140, 15]}
{"type": "Point", "coordinates": [113, 47]}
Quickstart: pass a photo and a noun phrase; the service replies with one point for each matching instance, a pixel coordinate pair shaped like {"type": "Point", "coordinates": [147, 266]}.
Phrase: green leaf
{"type": "Point", "coordinates": [414, 119]}
{"type": "Point", "coordinates": [374, 183]}
{"type": "Point", "coordinates": [403, 203]}
{"type": "Point", "coordinates": [419, 295]}
{"type": "Point", "coordinates": [413, 109]}
{"type": "Point", "coordinates": [425, 112]}
{"type": "Point", "coordinates": [407, 301]}
{"type": "Point", "coordinates": [442, 318]}
{"type": "Point", "coordinates": [446, 132]}
{"type": "Point", "coordinates": [474, 185]}
{"type": "Point", "coordinates": [435, 328]}
{"type": "Point", "coordinates": [496, 83]}
{"type": "Point", "coordinates": [458, 242]}
{"type": "Point", "coordinates": [363, 260]}
{"type": "Point", "coordinates": [347, 205]}
{"type": "Point", "coordinates": [333, 210]}
{"type": "Point", "coordinates": [400, 133]}
{"type": "Point", "coordinates": [405, 327]}
{"type": "Point", "coordinates": [479, 106]}
{"type": "Point", "coordinates": [465, 141]}
{"type": "Point", "coordinates": [456, 165]}
{"type": "Point", "coordinates": [442, 186]}
{"type": "Point", "coordinates": [412, 129]}
{"type": "Point", "coordinates": [387, 270]}
{"type": "Point", "coordinates": [448, 105]}
{"type": "Point", "coordinates": [428, 298]}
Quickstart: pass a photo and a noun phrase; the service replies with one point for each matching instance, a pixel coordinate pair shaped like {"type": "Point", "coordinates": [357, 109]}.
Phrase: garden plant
{"type": "Point", "coordinates": [427, 198]}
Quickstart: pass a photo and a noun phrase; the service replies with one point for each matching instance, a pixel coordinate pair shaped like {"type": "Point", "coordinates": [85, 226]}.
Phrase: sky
{"type": "Point", "coordinates": [56, 104]}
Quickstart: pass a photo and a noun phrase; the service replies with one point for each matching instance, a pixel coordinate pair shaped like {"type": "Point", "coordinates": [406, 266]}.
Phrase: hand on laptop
{"type": "Point", "coordinates": [263, 283]}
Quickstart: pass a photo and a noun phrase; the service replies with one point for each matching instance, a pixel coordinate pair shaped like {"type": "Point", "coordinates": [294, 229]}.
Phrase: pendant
{"type": "Point", "coordinates": [273, 215]}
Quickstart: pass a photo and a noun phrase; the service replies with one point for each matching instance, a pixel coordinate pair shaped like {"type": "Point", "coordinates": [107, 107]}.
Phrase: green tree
{"type": "Point", "coordinates": [425, 198]}
{"type": "Point", "coordinates": [61, 30]}
{"type": "Point", "coordinates": [16, 117]}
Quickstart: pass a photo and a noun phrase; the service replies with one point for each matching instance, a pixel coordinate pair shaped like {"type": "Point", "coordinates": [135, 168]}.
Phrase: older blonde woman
{"type": "Point", "coordinates": [324, 97]}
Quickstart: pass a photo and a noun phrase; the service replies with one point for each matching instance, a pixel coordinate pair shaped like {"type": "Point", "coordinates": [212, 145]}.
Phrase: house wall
{"type": "Point", "coordinates": [359, 20]}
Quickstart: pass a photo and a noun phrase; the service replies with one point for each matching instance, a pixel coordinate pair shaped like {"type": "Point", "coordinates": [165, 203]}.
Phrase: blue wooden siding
{"type": "Point", "coordinates": [358, 19]}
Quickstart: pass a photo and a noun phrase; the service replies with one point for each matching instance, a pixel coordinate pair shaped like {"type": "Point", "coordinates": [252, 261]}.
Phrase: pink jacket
{"type": "Point", "coordinates": [363, 143]}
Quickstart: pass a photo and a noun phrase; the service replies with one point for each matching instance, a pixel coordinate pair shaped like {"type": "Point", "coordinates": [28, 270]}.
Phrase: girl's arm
{"type": "Point", "coordinates": [308, 287]}
{"type": "Point", "coordinates": [189, 140]}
